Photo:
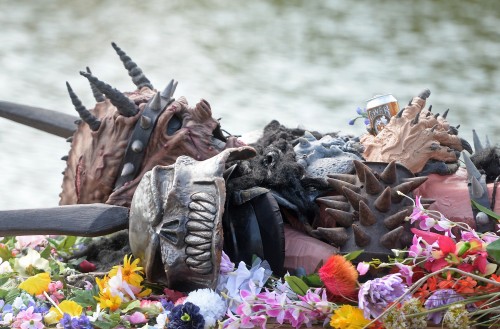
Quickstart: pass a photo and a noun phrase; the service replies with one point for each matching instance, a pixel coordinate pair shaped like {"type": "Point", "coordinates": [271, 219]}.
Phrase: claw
{"type": "Point", "coordinates": [466, 145]}
{"type": "Point", "coordinates": [415, 120]}
{"type": "Point", "coordinates": [400, 113]}
{"type": "Point", "coordinates": [436, 115]}
{"type": "Point", "coordinates": [445, 114]}
{"type": "Point", "coordinates": [430, 108]}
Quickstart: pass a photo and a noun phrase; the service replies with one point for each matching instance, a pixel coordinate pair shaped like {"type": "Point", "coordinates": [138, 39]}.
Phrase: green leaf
{"type": "Point", "coordinates": [493, 249]}
{"type": "Point", "coordinates": [298, 286]}
{"type": "Point", "coordinates": [313, 280]}
{"type": "Point", "coordinates": [66, 243]}
{"type": "Point", "coordinates": [353, 255]}
{"type": "Point", "coordinates": [85, 298]}
{"type": "Point", "coordinates": [131, 306]}
{"type": "Point", "coordinates": [11, 295]}
{"type": "Point", "coordinates": [5, 253]}
{"type": "Point", "coordinates": [485, 210]}
{"type": "Point", "coordinates": [46, 252]}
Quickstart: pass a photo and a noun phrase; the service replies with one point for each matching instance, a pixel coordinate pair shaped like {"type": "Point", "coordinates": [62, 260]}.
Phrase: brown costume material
{"type": "Point", "coordinates": [413, 138]}
{"type": "Point", "coordinates": [95, 157]}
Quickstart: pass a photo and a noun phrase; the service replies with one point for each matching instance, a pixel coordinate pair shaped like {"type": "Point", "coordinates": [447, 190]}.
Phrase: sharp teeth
{"type": "Point", "coordinates": [193, 225]}
{"type": "Point", "coordinates": [203, 234]}
{"type": "Point", "coordinates": [201, 216]}
{"type": "Point", "coordinates": [201, 196]}
{"type": "Point", "coordinates": [192, 251]}
{"type": "Point", "coordinates": [205, 256]}
{"type": "Point", "coordinates": [203, 206]}
{"type": "Point", "coordinates": [194, 240]}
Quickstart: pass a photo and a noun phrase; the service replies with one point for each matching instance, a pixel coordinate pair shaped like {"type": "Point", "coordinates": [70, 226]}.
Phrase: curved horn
{"type": "Point", "coordinates": [138, 77]}
{"type": "Point", "coordinates": [124, 105]}
{"type": "Point", "coordinates": [85, 114]}
{"type": "Point", "coordinates": [99, 97]}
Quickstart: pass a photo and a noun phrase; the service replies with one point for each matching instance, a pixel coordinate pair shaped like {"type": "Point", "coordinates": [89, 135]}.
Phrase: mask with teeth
{"type": "Point", "coordinates": [176, 229]}
{"type": "Point", "coordinates": [127, 134]}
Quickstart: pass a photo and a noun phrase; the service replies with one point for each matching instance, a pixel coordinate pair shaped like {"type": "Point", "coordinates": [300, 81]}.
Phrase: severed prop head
{"type": "Point", "coordinates": [127, 134]}
{"type": "Point", "coordinates": [177, 220]}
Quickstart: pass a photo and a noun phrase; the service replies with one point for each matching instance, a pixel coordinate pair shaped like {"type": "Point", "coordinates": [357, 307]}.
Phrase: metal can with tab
{"type": "Point", "coordinates": [380, 109]}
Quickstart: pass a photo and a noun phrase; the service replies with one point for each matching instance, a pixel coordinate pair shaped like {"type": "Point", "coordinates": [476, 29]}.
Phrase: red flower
{"type": "Point", "coordinates": [85, 266]}
{"type": "Point", "coordinates": [339, 276]}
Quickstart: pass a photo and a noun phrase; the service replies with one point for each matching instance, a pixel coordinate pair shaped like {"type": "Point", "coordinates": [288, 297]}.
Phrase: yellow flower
{"type": "Point", "coordinates": [348, 317]}
{"type": "Point", "coordinates": [36, 284]}
{"type": "Point", "coordinates": [102, 283]}
{"type": "Point", "coordinates": [107, 300]}
{"type": "Point", "coordinates": [131, 272]}
{"type": "Point", "coordinates": [66, 306]}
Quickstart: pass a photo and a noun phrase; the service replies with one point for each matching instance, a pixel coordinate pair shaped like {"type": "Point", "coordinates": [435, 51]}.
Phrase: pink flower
{"type": "Point", "coordinates": [363, 268]}
{"type": "Point", "coordinates": [137, 317]}
{"type": "Point", "coordinates": [30, 241]}
{"type": "Point", "coordinates": [28, 320]}
{"type": "Point", "coordinates": [406, 272]}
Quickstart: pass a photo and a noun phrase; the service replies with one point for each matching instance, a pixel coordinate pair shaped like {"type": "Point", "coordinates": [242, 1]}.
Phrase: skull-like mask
{"type": "Point", "coordinates": [175, 220]}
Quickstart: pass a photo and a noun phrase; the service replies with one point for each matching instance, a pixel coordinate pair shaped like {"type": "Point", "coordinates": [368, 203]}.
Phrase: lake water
{"type": "Point", "coordinates": [300, 62]}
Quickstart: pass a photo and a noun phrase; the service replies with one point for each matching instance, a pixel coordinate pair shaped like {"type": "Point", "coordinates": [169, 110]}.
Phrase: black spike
{"type": "Point", "coordinates": [415, 120]}
{"type": "Point", "coordinates": [409, 103]}
{"type": "Point", "coordinates": [64, 158]}
{"type": "Point", "coordinates": [85, 114]}
{"type": "Point", "coordinates": [466, 145]}
{"type": "Point", "coordinates": [430, 108]}
{"type": "Point", "coordinates": [436, 115]}
{"type": "Point", "coordinates": [138, 77]}
{"type": "Point", "coordinates": [99, 97]}
{"type": "Point", "coordinates": [400, 113]}
{"type": "Point", "coordinates": [434, 127]}
{"type": "Point", "coordinates": [445, 114]}
{"type": "Point", "coordinates": [124, 105]}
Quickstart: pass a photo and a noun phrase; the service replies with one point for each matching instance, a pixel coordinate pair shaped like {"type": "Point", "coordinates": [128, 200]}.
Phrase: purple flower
{"type": "Point", "coordinates": [440, 298]}
{"type": "Point", "coordinates": [375, 295]}
{"type": "Point", "coordinates": [186, 316]}
{"type": "Point", "coordinates": [351, 122]}
{"type": "Point", "coordinates": [82, 322]}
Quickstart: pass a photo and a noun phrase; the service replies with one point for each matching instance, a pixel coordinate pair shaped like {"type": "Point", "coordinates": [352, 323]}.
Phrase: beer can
{"type": "Point", "coordinates": [380, 109]}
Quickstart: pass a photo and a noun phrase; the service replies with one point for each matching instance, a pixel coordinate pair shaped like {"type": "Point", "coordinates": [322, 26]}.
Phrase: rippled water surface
{"type": "Point", "coordinates": [300, 62]}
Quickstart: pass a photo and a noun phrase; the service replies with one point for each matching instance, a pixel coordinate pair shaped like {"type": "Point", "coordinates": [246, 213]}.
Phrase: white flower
{"type": "Point", "coordinates": [118, 286]}
{"type": "Point", "coordinates": [161, 320]}
{"type": "Point", "coordinates": [211, 305]}
{"type": "Point", "coordinates": [32, 259]}
{"type": "Point", "coordinates": [5, 267]}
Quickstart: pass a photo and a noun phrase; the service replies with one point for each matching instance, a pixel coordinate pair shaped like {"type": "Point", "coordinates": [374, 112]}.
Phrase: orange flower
{"type": "Point", "coordinates": [426, 289]}
{"type": "Point", "coordinates": [339, 276]}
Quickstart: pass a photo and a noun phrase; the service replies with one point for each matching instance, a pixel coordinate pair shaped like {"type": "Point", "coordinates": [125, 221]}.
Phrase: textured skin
{"type": "Point", "coordinates": [95, 157]}
{"type": "Point", "coordinates": [413, 144]}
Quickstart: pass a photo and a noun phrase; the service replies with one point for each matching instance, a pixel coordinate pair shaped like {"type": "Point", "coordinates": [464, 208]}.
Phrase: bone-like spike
{"type": "Point", "coordinates": [389, 175]}
{"type": "Point", "coordinates": [64, 158]}
{"type": "Point", "coordinates": [137, 146]}
{"type": "Point", "coordinates": [416, 181]}
{"type": "Point", "coordinates": [383, 202]}
{"type": "Point", "coordinates": [430, 108]}
{"type": "Point", "coordinates": [353, 197]}
{"type": "Point", "coordinates": [390, 240]}
{"type": "Point", "coordinates": [400, 113]}
{"type": "Point", "coordinates": [436, 115]}
{"type": "Point", "coordinates": [309, 136]}
{"type": "Point", "coordinates": [342, 218]}
{"type": "Point", "coordinates": [477, 142]}
{"type": "Point", "coordinates": [487, 143]}
{"type": "Point", "coordinates": [69, 139]}
{"type": "Point", "coordinates": [445, 114]}
{"type": "Point", "coordinates": [335, 235]}
{"type": "Point", "coordinates": [124, 105]}
{"type": "Point", "coordinates": [466, 145]}
{"type": "Point", "coordinates": [424, 94]}
{"type": "Point", "coordinates": [169, 90]}
{"type": "Point", "coordinates": [337, 185]}
{"type": "Point", "coordinates": [85, 114]}
{"type": "Point", "coordinates": [138, 78]}
{"type": "Point", "coordinates": [372, 185]}
{"type": "Point", "coordinates": [366, 216]}
{"type": "Point", "coordinates": [397, 219]}
{"type": "Point", "coordinates": [351, 179]}
{"type": "Point", "coordinates": [360, 170]}
{"type": "Point", "coordinates": [156, 102]}
{"type": "Point", "coordinates": [98, 96]}
{"type": "Point", "coordinates": [145, 122]}
{"type": "Point", "coordinates": [406, 187]}
{"type": "Point", "coordinates": [128, 168]}
{"type": "Point", "coordinates": [344, 206]}
{"type": "Point", "coordinates": [340, 198]}
{"type": "Point", "coordinates": [476, 188]}
{"type": "Point", "coordinates": [472, 171]}
{"type": "Point", "coordinates": [360, 237]}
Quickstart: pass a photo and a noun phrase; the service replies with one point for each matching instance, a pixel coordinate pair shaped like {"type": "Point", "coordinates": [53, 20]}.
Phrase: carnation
{"type": "Point", "coordinates": [211, 305]}
{"type": "Point", "coordinates": [375, 295]}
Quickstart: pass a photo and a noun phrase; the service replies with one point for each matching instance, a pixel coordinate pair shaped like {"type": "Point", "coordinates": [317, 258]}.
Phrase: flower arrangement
{"type": "Point", "coordinates": [449, 278]}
